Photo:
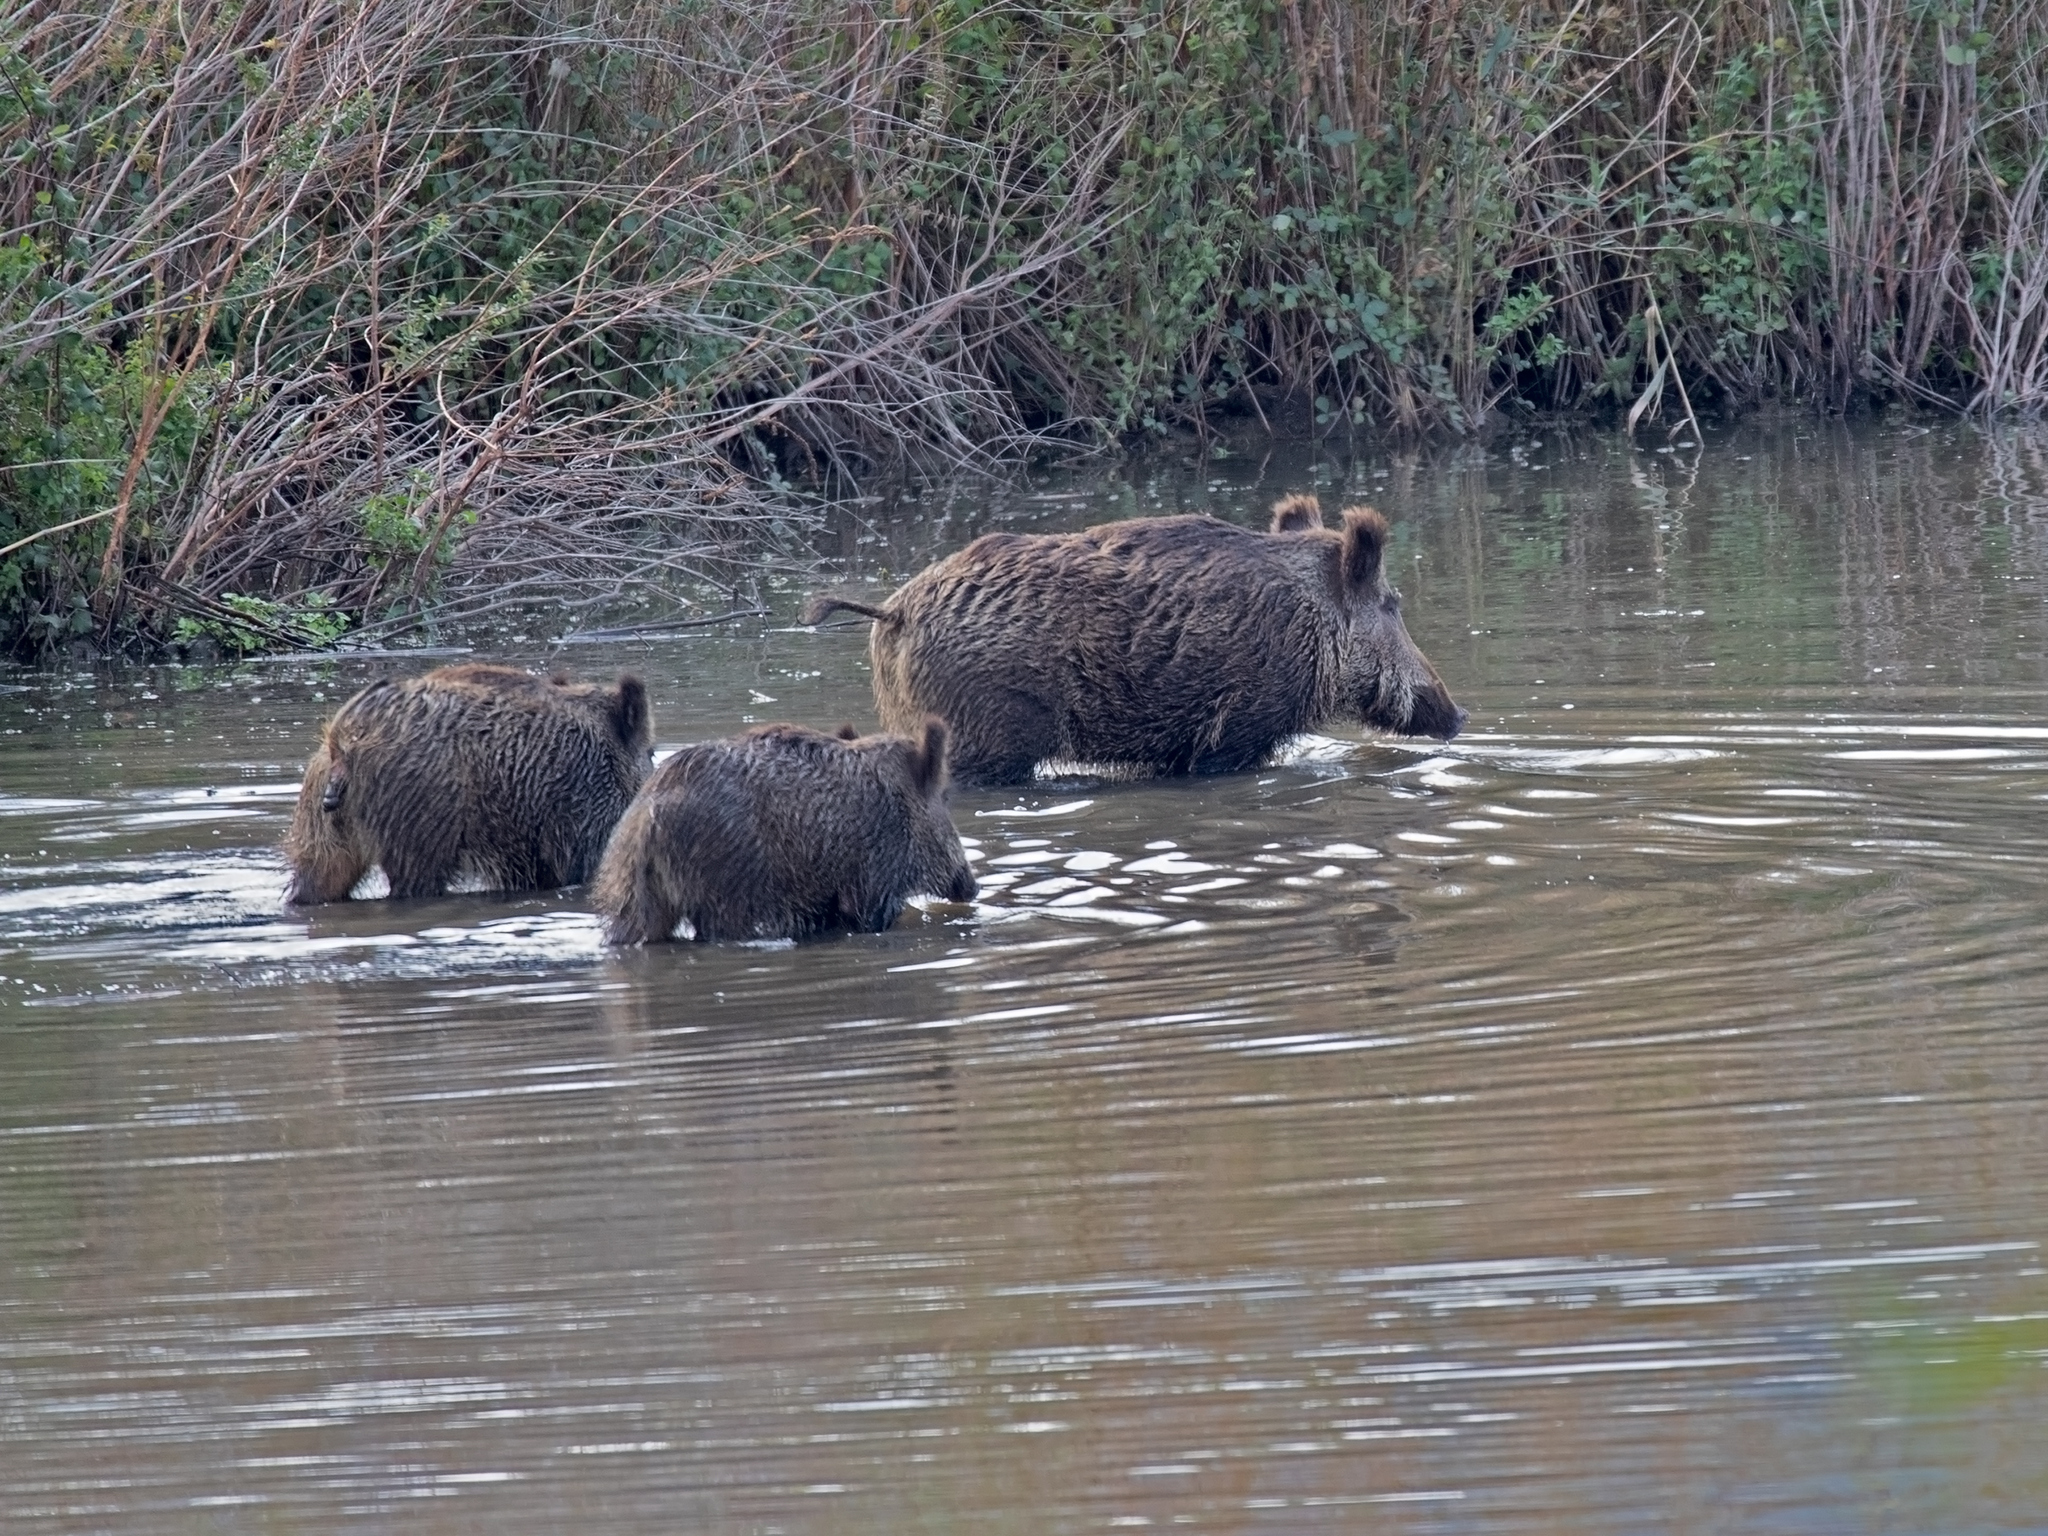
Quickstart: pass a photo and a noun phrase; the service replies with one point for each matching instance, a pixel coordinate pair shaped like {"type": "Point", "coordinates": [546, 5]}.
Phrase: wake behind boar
{"type": "Point", "coordinates": [481, 773]}
{"type": "Point", "coordinates": [1168, 644]}
{"type": "Point", "coordinates": [784, 833]}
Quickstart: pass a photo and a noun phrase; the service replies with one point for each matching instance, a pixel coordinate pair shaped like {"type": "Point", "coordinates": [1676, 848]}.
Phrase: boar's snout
{"type": "Point", "coordinates": [963, 887]}
{"type": "Point", "coordinates": [1436, 715]}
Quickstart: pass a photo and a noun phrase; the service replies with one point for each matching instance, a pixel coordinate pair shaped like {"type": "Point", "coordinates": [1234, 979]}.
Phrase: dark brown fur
{"type": "Point", "coordinates": [1171, 644]}
{"type": "Point", "coordinates": [476, 772]}
{"type": "Point", "coordinates": [784, 833]}
{"type": "Point", "coordinates": [1296, 513]}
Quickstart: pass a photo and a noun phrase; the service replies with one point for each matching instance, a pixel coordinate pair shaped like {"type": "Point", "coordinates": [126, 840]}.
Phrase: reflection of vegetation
{"type": "Point", "coordinates": [1940, 1370]}
{"type": "Point", "coordinates": [1949, 1410]}
{"type": "Point", "coordinates": [41, 1219]}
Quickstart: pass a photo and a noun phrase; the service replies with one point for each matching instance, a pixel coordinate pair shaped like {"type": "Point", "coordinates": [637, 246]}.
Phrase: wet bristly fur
{"type": "Point", "coordinates": [1292, 514]}
{"type": "Point", "coordinates": [483, 774]}
{"type": "Point", "coordinates": [784, 833]}
{"type": "Point", "coordinates": [1171, 644]}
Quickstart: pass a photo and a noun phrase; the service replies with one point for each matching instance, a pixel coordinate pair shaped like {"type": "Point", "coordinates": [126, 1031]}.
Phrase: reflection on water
{"type": "Point", "coordinates": [1630, 1116]}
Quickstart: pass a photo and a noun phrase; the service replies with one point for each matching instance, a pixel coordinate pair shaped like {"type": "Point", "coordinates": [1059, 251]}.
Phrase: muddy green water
{"type": "Point", "coordinates": [1633, 1116]}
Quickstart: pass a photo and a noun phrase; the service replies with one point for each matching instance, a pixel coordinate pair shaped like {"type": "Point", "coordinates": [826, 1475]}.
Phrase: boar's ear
{"type": "Point", "coordinates": [1293, 514]}
{"type": "Point", "coordinates": [1365, 540]}
{"type": "Point", "coordinates": [928, 760]}
{"type": "Point", "coordinates": [629, 712]}
{"type": "Point", "coordinates": [846, 732]}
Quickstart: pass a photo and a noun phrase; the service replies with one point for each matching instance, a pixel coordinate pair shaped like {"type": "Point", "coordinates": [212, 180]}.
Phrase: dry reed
{"type": "Point", "coordinates": [397, 307]}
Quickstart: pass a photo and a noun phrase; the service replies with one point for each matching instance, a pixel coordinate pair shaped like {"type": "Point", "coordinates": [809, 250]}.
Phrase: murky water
{"type": "Point", "coordinates": [1633, 1116]}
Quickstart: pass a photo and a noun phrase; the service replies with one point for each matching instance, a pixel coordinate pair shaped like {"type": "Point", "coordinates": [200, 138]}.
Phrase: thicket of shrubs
{"type": "Point", "coordinates": [318, 315]}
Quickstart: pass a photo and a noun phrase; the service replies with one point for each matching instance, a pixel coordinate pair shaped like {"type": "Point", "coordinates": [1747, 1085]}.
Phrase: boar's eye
{"type": "Point", "coordinates": [1392, 602]}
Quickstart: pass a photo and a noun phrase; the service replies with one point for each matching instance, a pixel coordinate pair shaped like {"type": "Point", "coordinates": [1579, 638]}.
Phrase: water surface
{"type": "Point", "coordinates": [1633, 1115]}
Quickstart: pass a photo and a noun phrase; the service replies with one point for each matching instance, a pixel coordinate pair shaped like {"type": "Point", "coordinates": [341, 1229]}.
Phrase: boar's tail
{"type": "Point", "coordinates": [816, 609]}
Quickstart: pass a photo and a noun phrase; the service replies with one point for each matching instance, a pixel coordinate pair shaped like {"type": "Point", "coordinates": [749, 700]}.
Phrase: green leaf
{"type": "Point", "coordinates": [1503, 40]}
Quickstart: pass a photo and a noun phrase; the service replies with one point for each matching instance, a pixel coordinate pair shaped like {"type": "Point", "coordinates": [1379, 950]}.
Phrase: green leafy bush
{"type": "Point", "coordinates": [239, 624]}
{"type": "Point", "coordinates": [483, 302]}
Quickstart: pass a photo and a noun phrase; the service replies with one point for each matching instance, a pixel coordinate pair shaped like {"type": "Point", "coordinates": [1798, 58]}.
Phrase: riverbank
{"type": "Point", "coordinates": [314, 320]}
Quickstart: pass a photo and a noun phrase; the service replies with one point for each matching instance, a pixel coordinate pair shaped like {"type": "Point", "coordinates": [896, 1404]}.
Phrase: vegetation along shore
{"type": "Point", "coordinates": [321, 317]}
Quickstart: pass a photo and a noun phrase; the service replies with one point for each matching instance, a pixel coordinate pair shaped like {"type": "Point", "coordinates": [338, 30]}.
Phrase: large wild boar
{"type": "Point", "coordinates": [784, 833]}
{"type": "Point", "coordinates": [480, 774]}
{"type": "Point", "coordinates": [1168, 644]}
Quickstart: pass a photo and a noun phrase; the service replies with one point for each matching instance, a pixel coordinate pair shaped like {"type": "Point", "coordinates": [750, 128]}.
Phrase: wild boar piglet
{"type": "Point", "coordinates": [784, 833]}
{"type": "Point", "coordinates": [476, 775]}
